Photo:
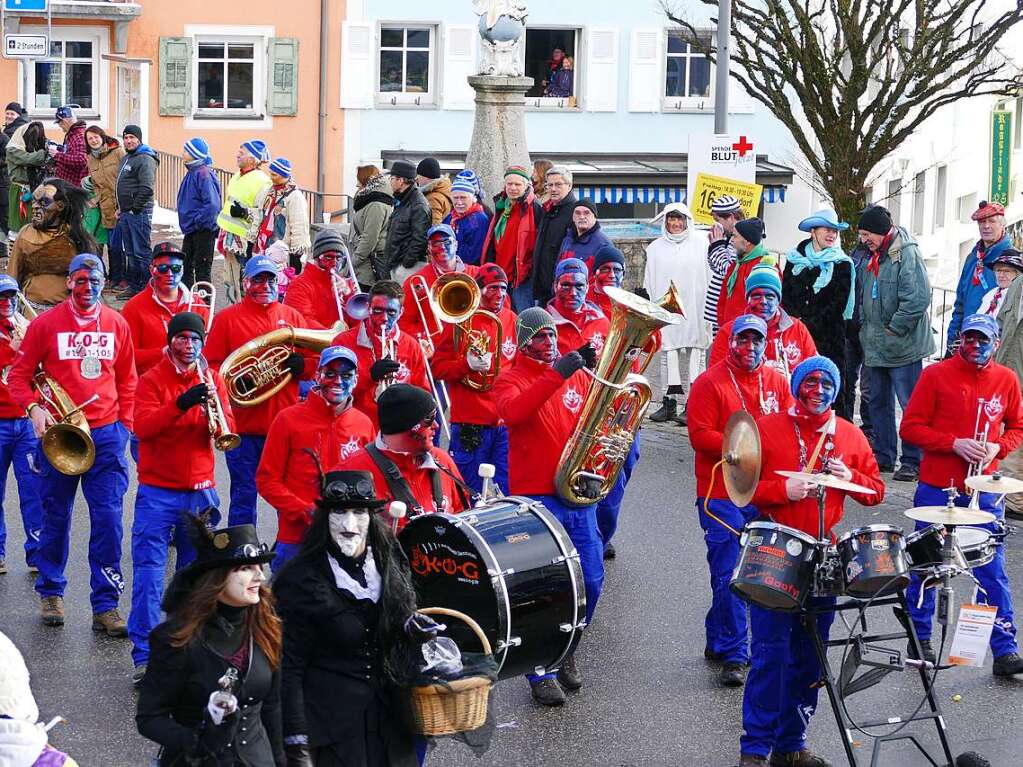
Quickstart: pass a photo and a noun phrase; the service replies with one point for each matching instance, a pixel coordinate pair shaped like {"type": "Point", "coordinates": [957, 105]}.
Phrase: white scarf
{"type": "Point", "coordinates": [345, 582]}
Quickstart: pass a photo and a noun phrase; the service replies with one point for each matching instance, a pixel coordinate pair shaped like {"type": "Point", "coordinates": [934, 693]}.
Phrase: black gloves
{"type": "Point", "coordinates": [298, 755]}
{"type": "Point", "coordinates": [214, 738]}
{"type": "Point", "coordinates": [383, 368]}
{"type": "Point", "coordinates": [421, 628]}
{"type": "Point", "coordinates": [569, 364]}
{"type": "Point", "coordinates": [641, 292]}
{"type": "Point", "coordinates": [589, 355]}
{"type": "Point", "coordinates": [192, 397]}
{"type": "Point", "coordinates": [239, 211]}
{"type": "Point", "coordinates": [295, 363]}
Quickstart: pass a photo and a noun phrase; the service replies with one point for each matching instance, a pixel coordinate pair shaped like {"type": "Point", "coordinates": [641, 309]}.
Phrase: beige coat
{"type": "Point", "coordinates": [103, 171]}
{"type": "Point", "coordinates": [39, 261]}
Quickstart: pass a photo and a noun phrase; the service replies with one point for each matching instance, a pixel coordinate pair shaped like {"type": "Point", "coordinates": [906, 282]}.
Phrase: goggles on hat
{"type": "Point", "coordinates": [251, 551]}
{"type": "Point", "coordinates": [361, 489]}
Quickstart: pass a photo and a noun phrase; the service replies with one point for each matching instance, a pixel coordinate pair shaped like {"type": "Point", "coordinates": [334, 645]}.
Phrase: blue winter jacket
{"type": "Point", "coordinates": [470, 234]}
{"type": "Point", "coordinates": [968, 295]}
{"type": "Point", "coordinates": [199, 200]}
{"type": "Point", "coordinates": [583, 247]}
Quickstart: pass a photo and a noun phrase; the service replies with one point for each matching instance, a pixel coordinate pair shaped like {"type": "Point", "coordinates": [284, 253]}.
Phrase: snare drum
{"type": "Point", "coordinates": [775, 569]}
{"type": "Point", "coordinates": [874, 560]}
{"type": "Point", "coordinates": [977, 544]}
{"type": "Point", "coordinates": [923, 548]}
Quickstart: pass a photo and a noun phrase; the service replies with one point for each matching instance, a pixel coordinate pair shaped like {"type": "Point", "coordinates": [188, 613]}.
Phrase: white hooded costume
{"type": "Point", "coordinates": [21, 739]}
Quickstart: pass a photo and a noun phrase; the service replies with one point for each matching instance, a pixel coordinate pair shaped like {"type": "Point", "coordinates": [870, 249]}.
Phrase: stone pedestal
{"type": "Point", "coordinates": [499, 132]}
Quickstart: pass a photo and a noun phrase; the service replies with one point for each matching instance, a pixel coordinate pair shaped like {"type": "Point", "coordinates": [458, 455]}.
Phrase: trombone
{"type": "Point", "coordinates": [208, 293]}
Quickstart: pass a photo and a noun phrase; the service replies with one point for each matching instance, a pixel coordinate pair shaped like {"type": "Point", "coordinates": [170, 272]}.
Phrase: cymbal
{"type": "Point", "coordinates": [740, 451]}
{"type": "Point", "coordinates": [826, 480]}
{"type": "Point", "coordinates": [994, 483]}
{"type": "Point", "coordinates": [943, 515]}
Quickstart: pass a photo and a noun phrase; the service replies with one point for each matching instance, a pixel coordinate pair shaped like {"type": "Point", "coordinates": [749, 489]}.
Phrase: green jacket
{"type": "Point", "coordinates": [896, 324]}
{"type": "Point", "coordinates": [1010, 353]}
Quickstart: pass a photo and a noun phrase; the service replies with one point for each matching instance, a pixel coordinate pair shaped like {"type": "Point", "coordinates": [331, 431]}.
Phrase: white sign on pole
{"type": "Point", "coordinates": [25, 46]}
{"type": "Point", "coordinates": [730, 156]}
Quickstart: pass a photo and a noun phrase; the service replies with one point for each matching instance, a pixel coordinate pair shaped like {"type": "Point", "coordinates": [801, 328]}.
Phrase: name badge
{"type": "Point", "coordinates": [90, 344]}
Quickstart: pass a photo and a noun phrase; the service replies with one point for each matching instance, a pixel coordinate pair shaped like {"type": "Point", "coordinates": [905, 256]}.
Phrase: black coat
{"type": "Point", "coordinates": [176, 690]}
{"type": "Point", "coordinates": [821, 312]}
{"type": "Point", "coordinates": [406, 231]}
{"type": "Point", "coordinates": [549, 234]}
{"type": "Point", "coordinates": [334, 684]}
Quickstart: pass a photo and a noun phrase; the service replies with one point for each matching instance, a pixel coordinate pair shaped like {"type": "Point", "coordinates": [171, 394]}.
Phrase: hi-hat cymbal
{"type": "Point", "coordinates": [943, 515]}
{"type": "Point", "coordinates": [826, 480]}
{"type": "Point", "coordinates": [994, 483]}
{"type": "Point", "coordinates": [740, 453]}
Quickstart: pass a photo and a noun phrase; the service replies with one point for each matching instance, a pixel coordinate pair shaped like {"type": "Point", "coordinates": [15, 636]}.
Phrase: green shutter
{"type": "Point", "coordinates": [175, 75]}
{"type": "Point", "coordinates": [282, 85]}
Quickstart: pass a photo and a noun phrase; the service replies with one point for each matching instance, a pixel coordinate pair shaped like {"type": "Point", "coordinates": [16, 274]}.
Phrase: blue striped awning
{"type": "Point", "coordinates": [658, 194]}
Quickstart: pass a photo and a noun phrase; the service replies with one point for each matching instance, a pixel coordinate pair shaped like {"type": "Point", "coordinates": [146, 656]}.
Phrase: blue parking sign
{"type": "Point", "coordinates": [25, 5]}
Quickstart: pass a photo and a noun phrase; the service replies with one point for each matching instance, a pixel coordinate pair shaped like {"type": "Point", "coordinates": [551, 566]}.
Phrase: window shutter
{"type": "Point", "coordinates": [282, 76]}
{"type": "Point", "coordinates": [646, 54]}
{"type": "Point", "coordinates": [175, 75]}
{"type": "Point", "coordinates": [459, 64]}
{"type": "Point", "coordinates": [601, 70]}
{"type": "Point", "coordinates": [356, 65]}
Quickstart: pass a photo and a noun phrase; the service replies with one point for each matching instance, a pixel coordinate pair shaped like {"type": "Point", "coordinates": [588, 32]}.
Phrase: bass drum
{"type": "Point", "coordinates": [511, 567]}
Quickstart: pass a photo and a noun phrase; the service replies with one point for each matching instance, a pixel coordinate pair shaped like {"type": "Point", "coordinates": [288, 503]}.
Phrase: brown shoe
{"type": "Point", "coordinates": [53, 611]}
{"type": "Point", "coordinates": [804, 758]}
{"type": "Point", "coordinates": [3, 566]}
{"type": "Point", "coordinates": [752, 760]}
{"type": "Point", "coordinates": [110, 622]}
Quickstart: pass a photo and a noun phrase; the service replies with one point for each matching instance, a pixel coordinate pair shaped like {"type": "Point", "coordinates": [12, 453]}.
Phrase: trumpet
{"type": "Point", "coordinates": [223, 438]}
{"type": "Point", "coordinates": [388, 351]}
{"type": "Point", "coordinates": [357, 307]}
{"type": "Point", "coordinates": [208, 294]}
{"type": "Point", "coordinates": [782, 359]}
{"type": "Point", "coordinates": [976, 468]}
{"type": "Point", "coordinates": [255, 371]}
{"type": "Point", "coordinates": [67, 444]}
{"type": "Point", "coordinates": [336, 285]}
{"type": "Point", "coordinates": [455, 299]}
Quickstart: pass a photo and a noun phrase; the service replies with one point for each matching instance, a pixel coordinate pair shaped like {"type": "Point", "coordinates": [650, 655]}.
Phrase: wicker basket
{"type": "Point", "coordinates": [459, 706]}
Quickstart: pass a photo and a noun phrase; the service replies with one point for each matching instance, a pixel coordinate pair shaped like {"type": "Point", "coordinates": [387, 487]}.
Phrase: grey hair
{"type": "Point", "coordinates": [559, 170]}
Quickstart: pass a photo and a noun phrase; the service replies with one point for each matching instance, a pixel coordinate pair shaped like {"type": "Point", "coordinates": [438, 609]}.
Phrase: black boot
{"type": "Point", "coordinates": [1007, 665]}
{"type": "Point", "coordinates": [928, 649]}
{"type": "Point", "coordinates": [666, 412]}
{"type": "Point", "coordinates": [568, 675]}
{"type": "Point", "coordinates": [680, 417]}
{"type": "Point", "coordinates": [547, 692]}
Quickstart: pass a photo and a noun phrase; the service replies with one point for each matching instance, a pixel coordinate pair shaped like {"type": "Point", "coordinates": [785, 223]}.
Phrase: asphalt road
{"type": "Point", "coordinates": [650, 699]}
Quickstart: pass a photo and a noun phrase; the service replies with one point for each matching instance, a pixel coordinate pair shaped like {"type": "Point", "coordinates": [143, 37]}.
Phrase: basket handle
{"type": "Point", "coordinates": [466, 620]}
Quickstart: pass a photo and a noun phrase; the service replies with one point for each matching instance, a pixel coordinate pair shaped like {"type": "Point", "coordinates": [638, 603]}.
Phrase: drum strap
{"type": "Point", "coordinates": [396, 483]}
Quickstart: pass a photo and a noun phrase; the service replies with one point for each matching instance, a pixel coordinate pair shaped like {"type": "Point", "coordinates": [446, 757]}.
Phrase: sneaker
{"type": "Point", "coordinates": [929, 654]}
{"type": "Point", "coordinates": [547, 692]}
{"type": "Point", "coordinates": [609, 551]}
{"type": "Point", "coordinates": [111, 623]}
{"type": "Point", "coordinates": [666, 412]}
{"type": "Point", "coordinates": [138, 674]}
{"type": "Point", "coordinates": [906, 474]}
{"type": "Point", "coordinates": [53, 611]}
{"type": "Point", "coordinates": [3, 566]}
{"type": "Point", "coordinates": [732, 674]}
{"type": "Point", "coordinates": [568, 675]}
{"type": "Point", "coordinates": [1007, 665]}
{"type": "Point", "coordinates": [752, 760]}
{"type": "Point", "coordinates": [804, 758]}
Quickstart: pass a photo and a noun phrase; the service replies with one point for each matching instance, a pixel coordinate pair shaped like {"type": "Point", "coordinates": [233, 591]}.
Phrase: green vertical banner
{"type": "Point", "coordinates": [1001, 156]}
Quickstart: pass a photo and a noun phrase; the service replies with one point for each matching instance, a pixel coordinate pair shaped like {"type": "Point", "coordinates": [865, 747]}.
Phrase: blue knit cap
{"type": "Point", "coordinates": [763, 277]}
{"type": "Point", "coordinates": [571, 265]}
{"type": "Point", "coordinates": [468, 177]}
{"type": "Point", "coordinates": [199, 149]}
{"type": "Point", "coordinates": [464, 184]}
{"type": "Point", "coordinates": [281, 166]}
{"type": "Point", "coordinates": [257, 149]}
{"type": "Point", "coordinates": [809, 365]}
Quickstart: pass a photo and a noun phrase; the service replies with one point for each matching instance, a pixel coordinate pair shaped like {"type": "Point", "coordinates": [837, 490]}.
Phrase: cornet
{"type": "Point", "coordinates": [977, 467]}
{"type": "Point", "coordinates": [223, 438]}
{"type": "Point", "coordinates": [388, 351]}
{"type": "Point", "coordinates": [782, 359]}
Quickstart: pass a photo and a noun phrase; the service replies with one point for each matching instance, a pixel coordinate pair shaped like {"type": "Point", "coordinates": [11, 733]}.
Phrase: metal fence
{"type": "Point", "coordinates": [942, 302]}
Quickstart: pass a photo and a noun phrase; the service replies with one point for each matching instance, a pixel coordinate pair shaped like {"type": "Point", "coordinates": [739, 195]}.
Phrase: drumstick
{"type": "Point", "coordinates": [828, 429]}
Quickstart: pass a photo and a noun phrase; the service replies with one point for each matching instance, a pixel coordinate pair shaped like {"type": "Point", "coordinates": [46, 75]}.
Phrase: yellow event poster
{"type": "Point", "coordinates": [709, 188]}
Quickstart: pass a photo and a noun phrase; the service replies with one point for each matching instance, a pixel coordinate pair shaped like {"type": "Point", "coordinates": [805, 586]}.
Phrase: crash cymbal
{"type": "Point", "coordinates": [943, 515]}
{"type": "Point", "coordinates": [994, 483]}
{"type": "Point", "coordinates": [740, 453]}
{"type": "Point", "coordinates": [826, 480]}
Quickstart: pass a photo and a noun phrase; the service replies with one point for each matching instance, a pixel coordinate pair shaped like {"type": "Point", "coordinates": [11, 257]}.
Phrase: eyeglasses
{"type": "Point", "coordinates": [361, 489]}
{"type": "Point", "coordinates": [164, 268]}
{"type": "Point", "coordinates": [251, 550]}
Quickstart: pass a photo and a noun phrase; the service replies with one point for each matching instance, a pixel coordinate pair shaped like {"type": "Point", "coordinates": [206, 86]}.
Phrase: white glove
{"type": "Point", "coordinates": [221, 704]}
{"type": "Point", "coordinates": [479, 364]}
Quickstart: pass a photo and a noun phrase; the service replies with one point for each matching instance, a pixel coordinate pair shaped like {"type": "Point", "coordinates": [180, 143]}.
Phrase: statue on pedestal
{"type": "Point", "coordinates": [502, 28]}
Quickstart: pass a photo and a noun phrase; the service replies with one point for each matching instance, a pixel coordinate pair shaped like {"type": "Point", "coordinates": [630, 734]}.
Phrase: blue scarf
{"type": "Point", "coordinates": [824, 260]}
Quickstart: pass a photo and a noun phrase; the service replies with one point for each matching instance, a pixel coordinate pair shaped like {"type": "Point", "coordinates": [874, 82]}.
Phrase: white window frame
{"type": "Point", "coordinates": [258, 87]}
{"type": "Point", "coordinates": [919, 202]}
{"type": "Point", "coordinates": [231, 119]}
{"type": "Point", "coordinates": [685, 103]}
{"type": "Point", "coordinates": [551, 103]}
{"type": "Point", "coordinates": [893, 202]}
{"type": "Point", "coordinates": [940, 197]}
{"type": "Point", "coordinates": [966, 204]}
{"type": "Point", "coordinates": [427, 99]}
{"type": "Point", "coordinates": [99, 37]}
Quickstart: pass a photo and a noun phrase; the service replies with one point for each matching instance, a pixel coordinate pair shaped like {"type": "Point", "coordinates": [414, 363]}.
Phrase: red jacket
{"type": "Point", "coordinates": [713, 398]}
{"type": "Point", "coordinates": [8, 407]}
{"type": "Point", "coordinates": [540, 409]}
{"type": "Point", "coordinates": [237, 325]}
{"type": "Point", "coordinates": [175, 450]}
{"type": "Point", "coordinates": [467, 404]}
{"type": "Point", "coordinates": [788, 333]}
{"type": "Point", "coordinates": [731, 306]}
{"type": "Point", "coordinates": [287, 476]}
{"type": "Point", "coordinates": [312, 294]}
{"type": "Point", "coordinates": [418, 479]}
{"type": "Point", "coordinates": [410, 321]}
{"type": "Point", "coordinates": [781, 451]}
{"type": "Point", "coordinates": [147, 316]}
{"type": "Point", "coordinates": [943, 407]}
{"type": "Point", "coordinates": [409, 354]}
{"type": "Point", "coordinates": [591, 326]}
{"type": "Point", "coordinates": [56, 341]}
{"type": "Point", "coordinates": [514, 253]}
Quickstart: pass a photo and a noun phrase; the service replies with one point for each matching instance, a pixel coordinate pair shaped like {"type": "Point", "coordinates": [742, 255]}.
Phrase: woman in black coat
{"type": "Point", "coordinates": [211, 693]}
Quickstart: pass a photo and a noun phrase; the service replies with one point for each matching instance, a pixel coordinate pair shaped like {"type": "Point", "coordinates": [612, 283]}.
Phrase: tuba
{"type": "Point", "coordinates": [255, 371]}
{"type": "Point", "coordinates": [223, 438]}
{"type": "Point", "coordinates": [615, 406]}
{"type": "Point", "coordinates": [456, 300]}
{"type": "Point", "coordinates": [67, 444]}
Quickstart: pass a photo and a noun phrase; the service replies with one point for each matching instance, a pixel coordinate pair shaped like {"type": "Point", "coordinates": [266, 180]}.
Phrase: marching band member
{"type": "Point", "coordinates": [786, 335]}
{"type": "Point", "coordinates": [608, 271]}
{"type": "Point", "coordinates": [781, 692]}
{"type": "Point", "coordinates": [149, 312]}
{"type": "Point", "coordinates": [376, 365]}
{"type": "Point", "coordinates": [313, 292]}
{"type": "Point", "coordinates": [175, 470]}
{"type": "Point", "coordinates": [579, 321]}
{"type": "Point", "coordinates": [17, 440]}
{"type": "Point", "coordinates": [256, 314]}
{"type": "Point", "coordinates": [741, 381]}
{"type": "Point", "coordinates": [747, 236]}
{"type": "Point", "coordinates": [404, 459]}
{"type": "Point", "coordinates": [85, 347]}
{"type": "Point", "coordinates": [965, 414]}
{"type": "Point", "coordinates": [443, 249]}
{"type": "Point", "coordinates": [540, 399]}
{"type": "Point", "coordinates": [477, 436]}
{"type": "Point", "coordinates": [306, 438]}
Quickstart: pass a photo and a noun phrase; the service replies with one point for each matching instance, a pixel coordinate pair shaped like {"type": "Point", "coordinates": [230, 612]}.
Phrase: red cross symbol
{"type": "Point", "coordinates": [743, 146]}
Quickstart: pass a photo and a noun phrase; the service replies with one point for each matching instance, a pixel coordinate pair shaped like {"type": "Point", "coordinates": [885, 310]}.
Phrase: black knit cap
{"type": "Point", "coordinates": [402, 406]}
{"type": "Point", "coordinates": [403, 169]}
{"type": "Point", "coordinates": [875, 219]}
{"type": "Point", "coordinates": [186, 321]}
{"type": "Point", "coordinates": [751, 229]}
{"type": "Point", "coordinates": [14, 106]}
{"type": "Point", "coordinates": [428, 167]}
{"type": "Point", "coordinates": [587, 203]}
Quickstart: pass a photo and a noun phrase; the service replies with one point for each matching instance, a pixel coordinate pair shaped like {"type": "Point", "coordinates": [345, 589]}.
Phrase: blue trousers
{"type": "Point", "coordinates": [992, 577]}
{"type": "Point", "coordinates": [781, 690]}
{"type": "Point", "coordinates": [726, 623]}
{"type": "Point", "coordinates": [607, 509]}
{"type": "Point", "coordinates": [104, 486]}
{"type": "Point", "coordinates": [115, 256]}
{"type": "Point", "coordinates": [159, 514]}
{"type": "Point", "coordinates": [135, 230]}
{"type": "Point", "coordinates": [887, 384]}
{"type": "Point", "coordinates": [17, 441]}
{"type": "Point", "coordinates": [493, 448]}
{"type": "Point", "coordinates": [283, 553]}
{"type": "Point", "coordinates": [242, 463]}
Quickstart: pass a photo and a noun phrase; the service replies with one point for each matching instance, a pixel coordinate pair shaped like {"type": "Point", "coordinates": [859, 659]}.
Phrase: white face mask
{"type": "Point", "coordinates": [350, 530]}
{"type": "Point", "coordinates": [242, 586]}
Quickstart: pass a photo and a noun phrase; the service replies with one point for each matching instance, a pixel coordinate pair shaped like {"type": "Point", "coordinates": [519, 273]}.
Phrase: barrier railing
{"type": "Point", "coordinates": [942, 302]}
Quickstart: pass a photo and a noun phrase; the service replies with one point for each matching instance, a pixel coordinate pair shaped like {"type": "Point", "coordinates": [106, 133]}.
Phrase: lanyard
{"type": "Point", "coordinates": [764, 409]}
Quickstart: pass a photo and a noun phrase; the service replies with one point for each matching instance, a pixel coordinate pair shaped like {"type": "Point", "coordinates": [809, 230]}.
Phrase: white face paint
{"type": "Point", "coordinates": [350, 529]}
{"type": "Point", "coordinates": [242, 586]}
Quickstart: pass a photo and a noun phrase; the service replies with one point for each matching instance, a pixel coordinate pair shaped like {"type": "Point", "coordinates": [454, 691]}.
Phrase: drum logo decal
{"type": "Point", "coordinates": [461, 566]}
{"type": "Point", "coordinates": [993, 407]}
{"type": "Point", "coordinates": [508, 348]}
{"type": "Point", "coordinates": [756, 541]}
{"type": "Point", "coordinates": [794, 547]}
{"type": "Point", "coordinates": [852, 570]}
{"type": "Point", "coordinates": [572, 399]}
{"type": "Point", "coordinates": [517, 537]}
{"type": "Point", "coordinates": [879, 544]}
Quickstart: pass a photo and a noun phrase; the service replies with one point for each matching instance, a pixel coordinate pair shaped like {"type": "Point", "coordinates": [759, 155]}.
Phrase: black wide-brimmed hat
{"type": "Point", "coordinates": [349, 490]}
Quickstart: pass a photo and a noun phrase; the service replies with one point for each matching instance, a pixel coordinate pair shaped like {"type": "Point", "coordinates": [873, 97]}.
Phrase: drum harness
{"type": "Point", "coordinates": [401, 491]}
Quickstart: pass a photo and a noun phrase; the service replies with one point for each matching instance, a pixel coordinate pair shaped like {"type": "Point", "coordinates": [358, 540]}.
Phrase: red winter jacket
{"type": "Point", "coordinates": [713, 398]}
{"type": "Point", "coordinates": [8, 407]}
{"type": "Point", "coordinates": [175, 450]}
{"type": "Point", "coordinates": [943, 407]}
{"type": "Point", "coordinates": [312, 294]}
{"type": "Point", "coordinates": [784, 331]}
{"type": "Point", "coordinates": [514, 253]}
{"type": "Point", "coordinates": [540, 409]}
{"type": "Point", "coordinates": [467, 404]}
{"type": "Point", "coordinates": [287, 476]}
{"type": "Point", "coordinates": [237, 325]}
{"type": "Point", "coordinates": [731, 306]}
{"type": "Point", "coordinates": [410, 321]}
{"type": "Point", "coordinates": [147, 316]}
{"type": "Point", "coordinates": [56, 341]}
{"type": "Point", "coordinates": [409, 355]}
{"type": "Point", "coordinates": [590, 326]}
{"type": "Point", "coordinates": [781, 451]}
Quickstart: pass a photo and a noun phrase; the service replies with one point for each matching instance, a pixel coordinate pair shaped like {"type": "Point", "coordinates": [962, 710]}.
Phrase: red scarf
{"type": "Point", "coordinates": [455, 217]}
{"type": "Point", "coordinates": [978, 267]}
{"type": "Point", "coordinates": [874, 266]}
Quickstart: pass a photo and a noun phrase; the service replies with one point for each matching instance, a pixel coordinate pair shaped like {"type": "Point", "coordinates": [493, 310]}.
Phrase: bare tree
{"type": "Point", "coordinates": [852, 79]}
